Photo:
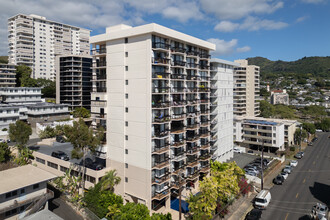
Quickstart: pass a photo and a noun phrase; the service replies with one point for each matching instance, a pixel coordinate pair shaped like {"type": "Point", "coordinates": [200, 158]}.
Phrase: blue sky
{"type": "Point", "coordinates": [278, 30]}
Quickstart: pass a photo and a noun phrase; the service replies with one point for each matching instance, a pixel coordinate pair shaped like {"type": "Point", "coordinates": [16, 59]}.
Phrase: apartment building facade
{"type": "Point", "coordinates": [23, 191]}
{"type": "Point", "coordinates": [73, 81]}
{"type": "Point", "coordinates": [279, 97]}
{"type": "Point", "coordinates": [7, 75]}
{"type": "Point", "coordinates": [158, 121]}
{"type": "Point", "coordinates": [253, 132]}
{"type": "Point", "coordinates": [221, 109]}
{"type": "Point", "coordinates": [246, 89]}
{"type": "Point", "coordinates": [34, 41]}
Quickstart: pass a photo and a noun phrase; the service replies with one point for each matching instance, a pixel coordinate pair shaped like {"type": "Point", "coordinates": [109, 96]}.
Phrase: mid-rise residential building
{"type": "Point", "coordinates": [158, 111]}
{"type": "Point", "coordinates": [279, 97]}
{"type": "Point", "coordinates": [221, 109]}
{"type": "Point", "coordinates": [34, 41]}
{"type": "Point", "coordinates": [24, 103]}
{"type": "Point", "coordinates": [277, 134]}
{"type": "Point", "coordinates": [7, 75]}
{"type": "Point", "coordinates": [246, 89]}
{"type": "Point", "coordinates": [73, 81]}
{"type": "Point", "coordinates": [23, 191]}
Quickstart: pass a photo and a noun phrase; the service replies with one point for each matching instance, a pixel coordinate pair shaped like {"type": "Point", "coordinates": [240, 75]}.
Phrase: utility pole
{"type": "Point", "coordinates": [262, 164]}
{"type": "Point", "coordinates": [300, 138]}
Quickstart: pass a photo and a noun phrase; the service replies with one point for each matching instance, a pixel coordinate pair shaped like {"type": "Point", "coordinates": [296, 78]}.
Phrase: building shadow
{"type": "Point", "coordinates": [321, 192]}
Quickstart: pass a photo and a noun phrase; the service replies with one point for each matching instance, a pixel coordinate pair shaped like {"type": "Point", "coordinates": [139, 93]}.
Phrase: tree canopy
{"type": "Point", "coordinates": [5, 153]}
{"type": "Point", "coordinates": [20, 132]}
{"type": "Point", "coordinates": [81, 113]}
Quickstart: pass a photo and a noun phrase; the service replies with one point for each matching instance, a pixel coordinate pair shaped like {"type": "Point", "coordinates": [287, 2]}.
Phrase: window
{"type": "Point", "coordinates": [126, 137]}
{"type": "Point", "coordinates": [53, 165]}
{"type": "Point", "coordinates": [126, 40]}
{"type": "Point", "coordinates": [126, 109]}
{"type": "Point", "coordinates": [126, 151]}
{"type": "Point", "coordinates": [126, 95]}
{"type": "Point", "coordinates": [63, 169]}
{"type": "Point", "coordinates": [36, 186]}
{"type": "Point", "coordinates": [126, 179]}
{"type": "Point", "coordinates": [126, 123]}
{"type": "Point", "coordinates": [22, 191]}
{"type": "Point", "coordinates": [126, 68]}
{"type": "Point", "coordinates": [126, 54]}
{"type": "Point", "coordinates": [126, 165]}
{"type": "Point", "coordinates": [126, 82]}
{"type": "Point", "coordinates": [40, 160]}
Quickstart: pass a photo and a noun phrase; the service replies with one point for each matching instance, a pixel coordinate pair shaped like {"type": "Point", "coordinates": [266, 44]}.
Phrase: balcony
{"type": "Point", "coordinates": [161, 195]}
{"type": "Point", "coordinates": [178, 103]}
{"type": "Point", "coordinates": [96, 52]}
{"type": "Point", "coordinates": [178, 117]}
{"type": "Point", "coordinates": [177, 184]}
{"type": "Point", "coordinates": [192, 89]}
{"type": "Point", "coordinates": [205, 101]}
{"type": "Point", "coordinates": [178, 130]}
{"type": "Point", "coordinates": [161, 134]}
{"type": "Point", "coordinates": [178, 144]}
{"type": "Point", "coordinates": [205, 146]}
{"type": "Point", "coordinates": [205, 89]}
{"type": "Point", "coordinates": [205, 169]}
{"type": "Point", "coordinates": [205, 123]}
{"type": "Point", "coordinates": [204, 67]}
{"type": "Point", "coordinates": [161, 164]}
{"type": "Point", "coordinates": [192, 66]}
{"type": "Point", "coordinates": [161, 61]}
{"type": "Point", "coordinates": [161, 150]}
{"type": "Point", "coordinates": [179, 169]}
{"type": "Point", "coordinates": [193, 126]}
{"type": "Point", "coordinates": [192, 53]}
{"type": "Point", "coordinates": [194, 175]}
{"type": "Point", "coordinates": [179, 63]}
{"type": "Point", "coordinates": [193, 77]}
{"type": "Point", "coordinates": [160, 104]}
{"type": "Point", "coordinates": [101, 64]}
{"type": "Point", "coordinates": [205, 112]}
{"type": "Point", "coordinates": [205, 134]}
{"type": "Point", "coordinates": [178, 50]}
{"type": "Point", "coordinates": [163, 119]}
{"type": "Point", "coordinates": [193, 139]}
{"type": "Point", "coordinates": [204, 56]}
{"type": "Point", "coordinates": [161, 90]}
{"type": "Point", "coordinates": [162, 179]}
{"type": "Point", "coordinates": [192, 150]}
{"type": "Point", "coordinates": [160, 75]}
{"type": "Point", "coordinates": [160, 45]}
{"type": "Point", "coordinates": [178, 76]}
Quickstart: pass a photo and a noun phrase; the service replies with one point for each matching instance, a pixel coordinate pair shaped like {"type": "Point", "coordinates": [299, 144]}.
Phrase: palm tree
{"type": "Point", "coordinates": [110, 180]}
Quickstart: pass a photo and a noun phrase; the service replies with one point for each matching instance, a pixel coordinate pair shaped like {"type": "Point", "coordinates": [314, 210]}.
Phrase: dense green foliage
{"type": "Point", "coordinates": [20, 133]}
{"type": "Point", "coordinates": [5, 153]}
{"type": "Point", "coordinates": [4, 59]}
{"type": "Point", "coordinates": [110, 180]}
{"type": "Point", "coordinates": [300, 69]}
{"type": "Point", "coordinates": [25, 157]}
{"type": "Point", "coordinates": [81, 113]}
{"type": "Point", "coordinates": [23, 79]}
{"type": "Point", "coordinates": [324, 124]}
{"type": "Point", "coordinates": [314, 111]}
{"type": "Point", "coordinates": [264, 93]}
{"type": "Point", "coordinates": [309, 127]}
{"type": "Point", "coordinates": [268, 110]}
{"type": "Point", "coordinates": [299, 135]}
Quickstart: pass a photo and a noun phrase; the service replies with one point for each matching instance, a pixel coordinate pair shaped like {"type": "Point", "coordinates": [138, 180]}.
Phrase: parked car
{"type": "Point", "coordinates": [310, 144]}
{"type": "Point", "coordinates": [250, 151]}
{"type": "Point", "coordinates": [237, 150]}
{"type": "Point", "coordinates": [251, 173]}
{"type": "Point", "coordinates": [287, 169]}
{"type": "Point", "coordinates": [302, 153]}
{"type": "Point", "coordinates": [298, 156]}
{"type": "Point", "coordinates": [34, 147]}
{"type": "Point", "coordinates": [314, 139]}
{"type": "Point", "coordinates": [89, 163]}
{"type": "Point", "coordinates": [2, 141]}
{"type": "Point", "coordinates": [262, 200]}
{"type": "Point", "coordinates": [319, 211]}
{"type": "Point", "coordinates": [278, 180]}
{"type": "Point", "coordinates": [254, 214]}
{"type": "Point", "coordinates": [293, 163]}
{"type": "Point", "coordinates": [249, 170]}
{"type": "Point", "coordinates": [60, 139]}
{"type": "Point", "coordinates": [285, 175]}
{"type": "Point", "coordinates": [60, 155]}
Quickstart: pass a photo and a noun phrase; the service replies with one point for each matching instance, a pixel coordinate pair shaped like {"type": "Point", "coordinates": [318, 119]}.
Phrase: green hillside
{"type": "Point", "coordinates": [305, 67]}
{"type": "Point", "coordinates": [3, 59]}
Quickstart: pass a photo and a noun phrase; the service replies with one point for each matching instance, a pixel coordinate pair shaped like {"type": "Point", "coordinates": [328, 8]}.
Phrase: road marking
{"type": "Point", "coordinates": [304, 181]}
{"type": "Point", "coordinates": [286, 217]}
{"type": "Point", "coordinates": [297, 195]}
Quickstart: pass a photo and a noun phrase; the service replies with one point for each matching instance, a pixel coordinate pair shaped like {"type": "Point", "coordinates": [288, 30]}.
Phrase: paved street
{"type": "Point", "coordinates": [307, 184]}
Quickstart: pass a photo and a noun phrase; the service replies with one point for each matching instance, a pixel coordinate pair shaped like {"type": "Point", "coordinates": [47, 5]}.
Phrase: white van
{"type": "Point", "coordinates": [262, 200]}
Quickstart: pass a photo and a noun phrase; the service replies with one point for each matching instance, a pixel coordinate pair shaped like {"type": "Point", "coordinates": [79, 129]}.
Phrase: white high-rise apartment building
{"type": "Point", "coordinates": [35, 41]}
{"type": "Point", "coordinates": [246, 89]}
{"type": "Point", "coordinates": [222, 108]}
{"type": "Point", "coordinates": [158, 110]}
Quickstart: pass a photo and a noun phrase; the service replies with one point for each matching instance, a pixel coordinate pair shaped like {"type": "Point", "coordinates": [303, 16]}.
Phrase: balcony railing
{"type": "Point", "coordinates": [161, 90]}
{"type": "Point", "coordinates": [178, 116]}
{"type": "Point", "coordinates": [160, 75]}
{"type": "Point", "coordinates": [98, 51]}
{"type": "Point", "coordinates": [178, 143]}
{"type": "Point", "coordinates": [192, 139]}
{"type": "Point", "coordinates": [178, 184]}
{"type": "Point", "coordinates": [193, 77]}
{"type": "Point", "coordinates": [160, 196]}
{"type": "Point", "coordinates": [193, 126]}
{"type": "Point", "coordinates": [178, 49]}
{"type": "Point", "coordinates": [204, 56]}
{"type": "Point", "coordinates": [163, 119]}
{"type": "Point", "coordinates": [160, 134]}
{"type": "Point", "coordinates": [192, 150]}
{"type": "Point", "coordinates": [178, 76]}
{"type": "Point", "coordinates": [162, 179]}
{"type": "Point", "coordinates": [193, 175]}
{"type": "Point", "coordinates": [205, 169]}
{"type": "Point", "coordinates": [192, 65]}
{"type": "Point", "coordinates": [178, 89]}
{"type": "Point", "coordinates": [161, 61]}
{"type": "Point", "coordinates": [179, 103]}
{"type": "Point", "coordinates": [192, 53]}
{"type": "Point", "coordinates": [179, 63]}
{"type": "Point", "coordinates": [161, 164]}
{"type": "Point", "coordinates": [177, 130]}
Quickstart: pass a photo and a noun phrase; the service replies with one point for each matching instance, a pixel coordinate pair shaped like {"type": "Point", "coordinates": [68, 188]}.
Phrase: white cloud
{"type": "Point", "coordinates": [224, 48]}
{"type": "Point", "coordinates": [301, 19]}
{"type": "Point", "coordinates": [183, 12]}
{"type": "Point", "coordinates": [243, 49]}
{"type": "Point", "coordinates": [250, 24]}
{"type": "Point", "coordinates": [226, 26]}
{"type": "Point", "coordinates": [313, 1]}
{"type": "Point", "coordinates": [236, 9]}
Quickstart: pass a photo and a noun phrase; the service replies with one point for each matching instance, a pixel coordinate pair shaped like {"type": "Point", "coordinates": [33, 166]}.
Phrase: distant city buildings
{"type": "Point", "coordinates": [74, 81]}
{"type": "Point", "coordinates": [34, 41]}
{"type": "Point", "coordinates": [22, 103]}
{"type": "Point", "coordinates": [7, 75]}
{"type": "Point", "coordinates": [246, 89]}
{"type": "Point", "coordinates": [279, 97]}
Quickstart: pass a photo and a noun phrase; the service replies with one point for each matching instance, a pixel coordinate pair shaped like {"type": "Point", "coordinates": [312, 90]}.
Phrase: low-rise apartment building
{"type": "Point", "coordinates": [7, 75]}
{"type": "Point", "coordinates": [73, 81]}
{"type": "Point", "coordinates": [255, 132]}
{"type": "Point", "coordinates": [23, 191]}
